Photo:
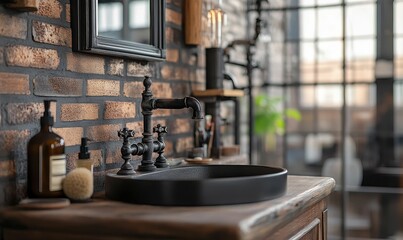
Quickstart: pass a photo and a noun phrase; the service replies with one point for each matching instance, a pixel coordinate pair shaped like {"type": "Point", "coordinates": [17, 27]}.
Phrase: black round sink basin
{"type": "Point", "coordinates": [199, 185]}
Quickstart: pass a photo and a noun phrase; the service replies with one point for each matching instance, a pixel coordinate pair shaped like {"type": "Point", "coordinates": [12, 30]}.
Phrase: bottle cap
{"type": "Point", "coordinates": [84, 153]}
{"type": "Point", "coordinates": [47, 117]}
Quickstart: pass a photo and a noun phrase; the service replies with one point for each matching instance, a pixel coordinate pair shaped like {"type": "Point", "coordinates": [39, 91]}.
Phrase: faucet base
{"type": "Point", "coordinates": [146, 168]}
{"type": "Point", "coordinates": [126, 169]}
{"type": "Point", "coordinates": [161, 165]}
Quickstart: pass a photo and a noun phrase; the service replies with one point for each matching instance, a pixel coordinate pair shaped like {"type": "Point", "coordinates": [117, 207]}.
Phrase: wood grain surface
{"type": "Point", "coordinates": [103, 219]}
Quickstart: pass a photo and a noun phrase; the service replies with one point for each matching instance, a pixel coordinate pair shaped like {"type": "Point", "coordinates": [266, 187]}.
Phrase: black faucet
{"type": "Point", "coordinates": [147, 146]}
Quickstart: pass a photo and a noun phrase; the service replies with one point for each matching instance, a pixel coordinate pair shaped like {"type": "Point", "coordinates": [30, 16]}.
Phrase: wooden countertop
{"type": "Point", "coordinates": [112, 220]}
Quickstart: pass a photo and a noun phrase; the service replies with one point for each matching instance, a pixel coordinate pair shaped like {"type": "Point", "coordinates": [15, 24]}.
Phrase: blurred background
{"type": "Point", "coordinates": [339, 66]}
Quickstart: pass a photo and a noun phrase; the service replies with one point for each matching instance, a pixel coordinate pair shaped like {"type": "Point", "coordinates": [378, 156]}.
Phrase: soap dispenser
{"type": "Point", "coordinates": [46, 160]}
{"type": "Point", "coordinates": [84, 157]}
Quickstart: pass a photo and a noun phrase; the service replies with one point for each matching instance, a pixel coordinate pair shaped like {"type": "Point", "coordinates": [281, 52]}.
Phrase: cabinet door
{"type": "Point", "coordinates": [310, 224]}
{"type": "Point", "coordinates": [312, 231]}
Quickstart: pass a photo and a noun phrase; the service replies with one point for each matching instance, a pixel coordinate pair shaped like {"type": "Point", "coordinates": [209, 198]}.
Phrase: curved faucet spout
{"type": "Point", "coordinates": [187, 102]}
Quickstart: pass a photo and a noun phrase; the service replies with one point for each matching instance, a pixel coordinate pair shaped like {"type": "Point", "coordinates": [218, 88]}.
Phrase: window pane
{"type": "Point", "coordinates": [329, 72]}
{"type": "Point", "coordinates": [307, 62]}
{"type": "Point", "coordinates": [360, 71]}
{"type": "Point", "coordinates": [139, 14]}
{"type": "Point", "coordinates": [329, 22]}
{"type": "Point", "coordinates": [307, 2]}
{"type": "Point", "coordinates": [360, 20]}
{"type": "Point", "coordinates": [292, 67]}
{"type": "Point", "coordinates": [358, 1]}
{"type": "Point", "coordinates": [329, 61]}
{"type": "Point", "coordinates": [398, 18]}
{"type": "Point", "coordinates": [360, 95]}
{"type": "Point", "coordinates": [399, 58]}
{"type": "Point", "coordinates": [275, 23]}
{"type": "Point", "coordinates": [329, 96]}
{"type": "Point", "coordinates": [276, 64]}
{"type": "Point", "coordinates": [360, 49]}
{"type": "Point", "coordinates": [329, 119]}
{"type": "Point", "coordinates": [360, 60]}
{"type": "Point", "coordinates": [398, 95]}
{"type": "Point", "coordinates": [328, 2]}
{"type": "Point", "coordinates": [108, 24]}
{"type": "Point", "coordinates": [329, 51]}
{"type": "Point", "coordinates": [307, 23]}
{"type": "Point", "coordinates": [307, 96]}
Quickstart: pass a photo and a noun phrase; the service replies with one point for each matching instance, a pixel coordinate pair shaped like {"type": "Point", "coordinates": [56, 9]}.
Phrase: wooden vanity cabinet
{"type": "Point", "coordinates": [300, 214]}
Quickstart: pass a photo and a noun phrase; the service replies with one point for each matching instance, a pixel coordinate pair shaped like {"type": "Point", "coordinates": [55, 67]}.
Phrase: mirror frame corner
{"type": "Point", "coordinates": [85, 38]}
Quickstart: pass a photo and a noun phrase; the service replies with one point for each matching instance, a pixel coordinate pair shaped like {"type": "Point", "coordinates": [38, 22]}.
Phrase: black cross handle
{"type": "Point", "coordinates": [125, 133]}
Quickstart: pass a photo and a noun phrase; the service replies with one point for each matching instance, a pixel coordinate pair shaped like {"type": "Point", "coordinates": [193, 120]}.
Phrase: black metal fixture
{"type": "Point", "coordinates": [250, 65]}
{"type": "Point", "coordinates": [148, 145]}
{"type": "Point", "coordinates": [88, 38]}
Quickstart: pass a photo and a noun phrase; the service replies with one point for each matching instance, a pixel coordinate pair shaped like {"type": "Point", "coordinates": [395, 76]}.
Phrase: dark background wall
{"type": "Point", "coordinates": [96, 95]}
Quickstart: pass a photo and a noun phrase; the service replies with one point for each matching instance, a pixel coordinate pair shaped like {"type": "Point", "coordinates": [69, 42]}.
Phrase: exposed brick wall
{"type": "Point", "coordinates": [96, 95]}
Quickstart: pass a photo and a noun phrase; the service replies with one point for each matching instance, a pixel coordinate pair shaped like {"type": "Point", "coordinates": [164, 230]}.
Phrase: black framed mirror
{"type": "Point", "coordinates": [121, 28]}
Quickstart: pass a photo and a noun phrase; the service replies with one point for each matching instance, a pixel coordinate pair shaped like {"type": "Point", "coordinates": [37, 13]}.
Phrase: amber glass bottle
{"type": "Point", "coordinates": [46, 160]}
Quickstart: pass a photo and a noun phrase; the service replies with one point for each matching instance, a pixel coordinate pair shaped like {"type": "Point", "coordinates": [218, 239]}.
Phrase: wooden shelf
{"type": "Point", "coordinates": [218, 93]}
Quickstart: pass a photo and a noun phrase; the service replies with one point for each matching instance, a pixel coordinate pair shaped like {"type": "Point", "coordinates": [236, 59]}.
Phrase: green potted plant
{"type": "Point", "coordinates": [270, 119]}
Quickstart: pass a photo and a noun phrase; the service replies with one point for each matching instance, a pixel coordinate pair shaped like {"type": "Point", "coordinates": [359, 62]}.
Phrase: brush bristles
{"type": "Point", "coordinates": [78, 184]}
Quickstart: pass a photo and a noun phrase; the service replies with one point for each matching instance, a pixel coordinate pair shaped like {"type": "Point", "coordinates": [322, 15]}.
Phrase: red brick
{"type": "Point", "coordinates": [104, 133]}
{"type": "Point", "coordinates": [169, 35]}
{"type": "Point", "coordinates": [68, 19]}
{"type": "Point", "coordinates": [13, 83]}
{"type": "Point", "coordinates": [182, 126]}
{"type": "Point", "coordinates": [161, 90]}
{"type": "Point", "coordinates": [71, 135]}
{"type": "Point", "coordinates": [85, 63]}
{"type": "Point", "coordinates": [1, 55]}
{"type": "Point", "coordinates": [113, 155]}
{"type": "Point", "coordinates": [52, 34]}
{"type": "Point", "coordinates": [102, 87]}
{"type": "Point", "coordinates": [172, 55]}
{"type": "Point", "coordinates": [116, 67]}
{"type": "Point", "coordinates": [177, 73]}
{"type": "Point", "coordinates": [181, 74]}
{"type": "Point", "coordinates": [14, 27]}
{"type": "Point", "coordinates": [201, 75]}
{"type": "Point", "coordinates": [184, 89]}
{"type": "Point", "coordinates": [166, 72]}
{"type": "Point", "coordinates": [11, 139]}
{"type": "Point", "coordinates": [201, 59]}
{"type": "Point", "coordinates": [115, 110]}
{"type": "Point", "coordinates": [173, 36]}
{"type": "Point", "coordinates": [189, 58]}
{"type": "Point", "coordinates": [161, 112]}
{"type": "Point", "coordinates": [49, 8]}
{"type": "Point", "coordinates": [32, 57]}
{"type": "Point", "coordinates": [22, 113]}
{"type": "Point", "coordinates": [169, 148]}
{"type": "Point", "coordinates": [183, 143]}
{"type": "Point", "coordinates": [57, 86]}
{"type": "Point", "coordinates": [139, 70]}
{"type": "Point", "coordinates": [173, 16]}
{"type": "Point", "coordinates": [137, 127]}
{"type": "Point", "coordinates": [79, 112]}
{"type": "Point", "coordinates": [133, 89]}
{"type": "Point", "coordinates": [192, 76]}
{"type": "Point", "coordinates": [7, 168]}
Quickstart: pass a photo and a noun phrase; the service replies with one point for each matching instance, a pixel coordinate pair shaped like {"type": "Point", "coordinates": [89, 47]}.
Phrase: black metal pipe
{"type": "Point", "coordinates": [187, 102]}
